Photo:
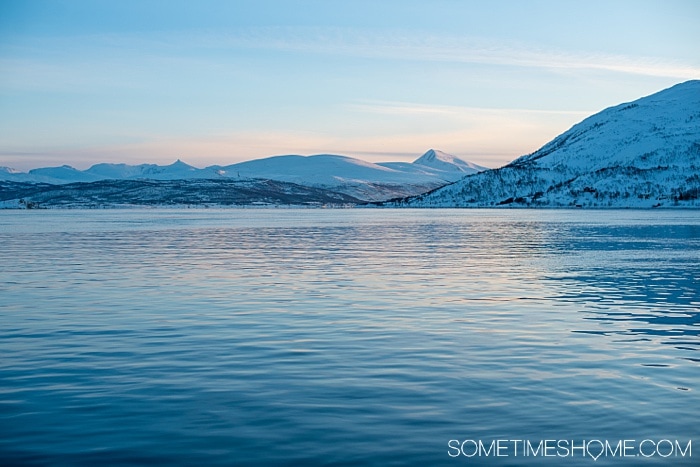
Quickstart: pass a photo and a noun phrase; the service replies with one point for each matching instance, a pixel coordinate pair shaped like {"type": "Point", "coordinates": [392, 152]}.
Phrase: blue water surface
{"type": "Point", "coordinates": [345, 337]}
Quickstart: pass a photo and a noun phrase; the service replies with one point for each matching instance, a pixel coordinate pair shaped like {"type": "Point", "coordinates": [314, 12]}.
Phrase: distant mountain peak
{"type": "Point", "coordinates": [179, 164]}
{"type": "Point", "coordinates": [434, 154]}
{"type": "Point", "coordinates": [443, 161]}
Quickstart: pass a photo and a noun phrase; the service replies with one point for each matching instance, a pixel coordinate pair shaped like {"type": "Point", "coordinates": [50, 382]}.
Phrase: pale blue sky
{"type": "Point", "coordinates": [217, 82]}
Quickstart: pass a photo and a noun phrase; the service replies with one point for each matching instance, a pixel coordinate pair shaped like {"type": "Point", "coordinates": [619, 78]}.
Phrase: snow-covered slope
{"type": "Point", "coordinates": [321, 169]}
{"type": "Point", "coordinates": [640, 154]}
{"type": "Point", "coordinates": [354, 177]}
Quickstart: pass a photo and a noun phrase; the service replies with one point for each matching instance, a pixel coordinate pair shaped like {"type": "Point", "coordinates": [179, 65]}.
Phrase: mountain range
{"type": "Point", "coordinates": [323, 178]}
{"type": "Point", "coordinates": [644, 153]}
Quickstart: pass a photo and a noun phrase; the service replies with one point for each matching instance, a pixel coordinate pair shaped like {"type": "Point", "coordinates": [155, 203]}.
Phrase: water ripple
{"type": "Point", "coordinates": [341, 337]}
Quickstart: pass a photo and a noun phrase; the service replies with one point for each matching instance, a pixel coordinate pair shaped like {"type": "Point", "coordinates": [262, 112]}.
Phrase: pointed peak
{"type": "Point", "coordinates": [180, 164]}
{"type": "Point", "coordinates": [434, 155]}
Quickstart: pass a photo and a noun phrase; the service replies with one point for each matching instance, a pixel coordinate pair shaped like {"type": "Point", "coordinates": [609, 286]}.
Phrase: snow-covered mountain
{"type": "Point", "coordinates": [640, 154]}
{"type": "Point", "coordinates": [175, 171]}
{"type": "Point", "coordinates": [355, 177]}
{"type": "Point", "coordinates": [346, 175]}
{"type": "Point", "coordinates": [446, 162]}
{"type": "Point", "coordinates": [62, 174]}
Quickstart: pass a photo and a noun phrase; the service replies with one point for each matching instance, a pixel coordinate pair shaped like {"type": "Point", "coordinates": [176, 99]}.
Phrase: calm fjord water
{"type": "Point", "coordinates": [344, 336]}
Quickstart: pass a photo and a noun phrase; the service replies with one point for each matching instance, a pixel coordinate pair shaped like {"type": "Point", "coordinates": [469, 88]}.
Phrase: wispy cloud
{"type": "Point", "coordinates": [437, 48]}
{"type": "Point", "coordinates": [108, 55]}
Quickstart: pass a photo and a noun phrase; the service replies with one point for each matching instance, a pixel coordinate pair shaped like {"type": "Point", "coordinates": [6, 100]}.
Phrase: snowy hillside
{"type": "Point", "coordinates": [346, 175]}
{"type": "Point", "coordinates": [640, 154]}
